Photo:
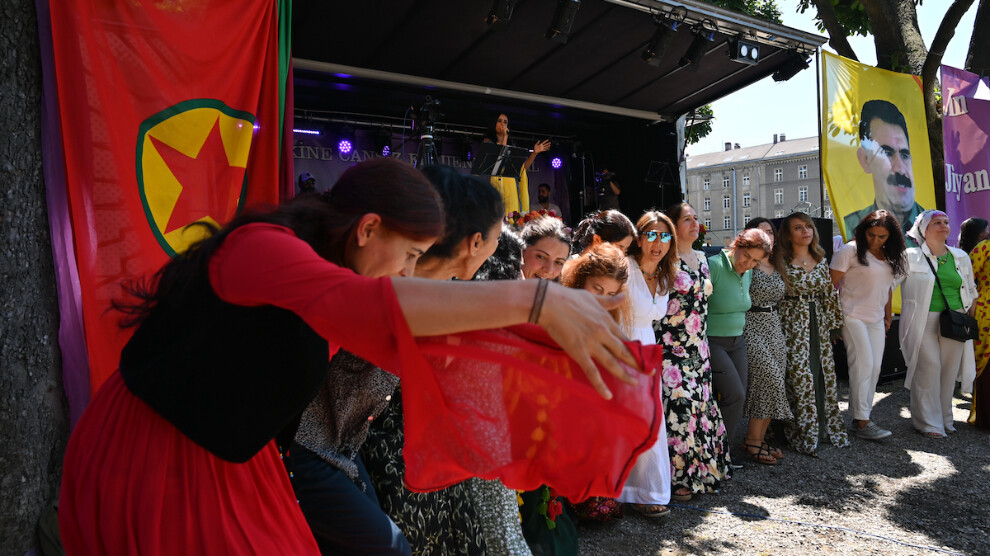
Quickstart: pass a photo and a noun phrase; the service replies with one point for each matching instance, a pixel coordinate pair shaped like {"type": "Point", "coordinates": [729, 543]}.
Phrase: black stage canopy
{"type": "Point", "coordinates": [379, 57]}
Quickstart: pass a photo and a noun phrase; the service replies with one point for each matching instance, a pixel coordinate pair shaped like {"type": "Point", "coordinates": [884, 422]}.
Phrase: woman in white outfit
{"type": "Point", "coordinates": [864, 271]}
{"type": "Point", "coordinates": [652, 270]}
{"type": "Point", "coordinates": [933, 362]}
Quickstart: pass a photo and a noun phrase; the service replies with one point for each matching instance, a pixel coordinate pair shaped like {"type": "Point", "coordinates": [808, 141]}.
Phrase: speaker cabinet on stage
{"type": "Point", "coordinates": [893, 367]}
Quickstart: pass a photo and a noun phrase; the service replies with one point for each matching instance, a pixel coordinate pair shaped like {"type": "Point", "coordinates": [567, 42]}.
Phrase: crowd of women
{"type": "Point", "coordinates": [224, 432]}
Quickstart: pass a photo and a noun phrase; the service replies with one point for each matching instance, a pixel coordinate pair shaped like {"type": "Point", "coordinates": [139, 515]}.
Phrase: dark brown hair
{"type": "Point", "coordinates": [404, 199]}
{"type": "Point", "coordinates": [610, 225]}
{"type": "Point", "coordinates": [775, 250]}
{"type": "Point", "coordinates": [893, 248]}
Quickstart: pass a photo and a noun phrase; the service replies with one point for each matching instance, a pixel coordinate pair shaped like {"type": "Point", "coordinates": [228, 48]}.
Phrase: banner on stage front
{"type": "Point", "coordinates": [875, 152]}
{"type": "Point", "coordinates": [170, 118]}
{"type": "Point", "coordinates": [965, 129]}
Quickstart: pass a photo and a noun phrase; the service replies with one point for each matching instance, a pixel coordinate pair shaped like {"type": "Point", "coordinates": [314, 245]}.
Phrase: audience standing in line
{"type": "Point", "coordinates": [699, 457]}
{"type": "Point", "coordinates": [934, 362]}
{"type": "Point", "coordinates": [809, 313]}
{"type": "Point", "coordinates": [766, 396]}
{"type": "Point", "coordinates": [864, 271]}
{"type": "Point", "coordinates": [653, 267]}
{"type": "Point", "coordinates": [731, 279]}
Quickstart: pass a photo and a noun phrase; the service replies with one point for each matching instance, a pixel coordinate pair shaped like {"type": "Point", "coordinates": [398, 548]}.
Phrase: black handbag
{"type": "Point", "coordinates": [953, 324]}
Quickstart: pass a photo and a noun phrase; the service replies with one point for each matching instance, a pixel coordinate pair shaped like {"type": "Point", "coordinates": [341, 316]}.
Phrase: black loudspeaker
{"type": "Point", "coordinates": [893, 367]}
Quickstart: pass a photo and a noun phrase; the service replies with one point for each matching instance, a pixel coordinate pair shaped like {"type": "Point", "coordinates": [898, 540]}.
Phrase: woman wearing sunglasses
{"type": "Point", "coordinates": [731, 278]}
{"type": "Point", "coordinates": [652, 270]}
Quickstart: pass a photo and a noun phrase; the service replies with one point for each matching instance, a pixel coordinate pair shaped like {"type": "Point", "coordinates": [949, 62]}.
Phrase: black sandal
{"type": "Point", "coordinates": [775, 452]}
{"type": "Point", "coordinates": [761, 455]}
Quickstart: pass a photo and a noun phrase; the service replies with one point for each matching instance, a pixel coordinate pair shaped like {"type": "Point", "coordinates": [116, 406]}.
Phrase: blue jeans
{"type": "Point", "coordinates": [344, 519]}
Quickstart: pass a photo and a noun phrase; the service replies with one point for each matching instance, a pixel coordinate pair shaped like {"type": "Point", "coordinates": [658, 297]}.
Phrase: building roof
{"type": "Point", "coordinates": [759, 153]}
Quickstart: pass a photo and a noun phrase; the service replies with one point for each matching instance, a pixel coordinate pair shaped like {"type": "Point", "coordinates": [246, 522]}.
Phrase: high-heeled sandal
{"type": "Point", "coordinates": [761, 455]}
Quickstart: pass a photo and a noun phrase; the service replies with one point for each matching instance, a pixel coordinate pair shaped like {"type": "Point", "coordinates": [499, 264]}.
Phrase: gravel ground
{"type": "Point", "coordinates": [906, 494]}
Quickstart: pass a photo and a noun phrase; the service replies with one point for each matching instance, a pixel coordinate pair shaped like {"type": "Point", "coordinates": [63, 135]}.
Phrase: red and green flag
{"type": "Point", "coordinates": [172, 114]}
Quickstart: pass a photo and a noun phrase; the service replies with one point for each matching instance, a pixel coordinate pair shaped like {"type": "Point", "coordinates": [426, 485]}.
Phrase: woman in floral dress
{"type": "Point", "coordinates": [699, 457]}
{"type": "Point", "coordinates": [809, 312]}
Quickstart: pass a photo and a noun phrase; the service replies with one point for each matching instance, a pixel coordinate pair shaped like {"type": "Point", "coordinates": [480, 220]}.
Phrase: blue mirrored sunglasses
{"type": "Point", "coordinates": [652, 235]}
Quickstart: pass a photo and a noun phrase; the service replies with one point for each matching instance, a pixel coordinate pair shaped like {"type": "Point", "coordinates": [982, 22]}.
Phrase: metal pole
{"type": "Point", "coordinates": [818, 98]}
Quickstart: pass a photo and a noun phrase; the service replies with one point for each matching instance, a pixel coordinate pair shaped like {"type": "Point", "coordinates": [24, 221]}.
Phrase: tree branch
{"type": "Point", "coordinates": [978, 59]}
{"type": "Point", "coordinates": [837, 34]}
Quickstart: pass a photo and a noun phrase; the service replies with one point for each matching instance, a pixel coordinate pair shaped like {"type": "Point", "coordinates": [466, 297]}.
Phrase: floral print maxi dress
{"type": "Point", "coordinates": [699, 457]}
{"type": "Point", "coordinates": [809, 359]}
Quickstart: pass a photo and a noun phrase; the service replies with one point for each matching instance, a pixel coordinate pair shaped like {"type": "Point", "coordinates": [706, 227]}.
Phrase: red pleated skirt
{"type": "Point", "coordinates": [133, 484]}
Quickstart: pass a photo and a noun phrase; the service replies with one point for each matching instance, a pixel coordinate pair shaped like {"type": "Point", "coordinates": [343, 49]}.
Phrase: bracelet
{"type": "Point", "coordinates": [541, 293]}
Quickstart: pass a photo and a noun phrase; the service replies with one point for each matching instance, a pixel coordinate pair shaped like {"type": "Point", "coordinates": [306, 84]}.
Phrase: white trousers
{"type": "Point", "coordinates": [864, 351]}
{"type": "Point", "coordinates": [939, 362]}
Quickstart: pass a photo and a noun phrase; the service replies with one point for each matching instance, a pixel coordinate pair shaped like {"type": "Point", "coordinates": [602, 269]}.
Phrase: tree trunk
{"type": "Point", "coordinates": [896, 35]}
{"type": "Point", "coordinates": [978, 60]}
{"type": "Point", "coordinates": [836, 32]}
{"type": "Point", "coordinates": [33, 414]}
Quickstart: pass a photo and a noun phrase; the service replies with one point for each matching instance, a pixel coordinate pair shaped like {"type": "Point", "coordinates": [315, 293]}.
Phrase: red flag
{"type": "Point", "coordinates": [510, 404]}
{"type": "Point", "coordinates": [170, 116]}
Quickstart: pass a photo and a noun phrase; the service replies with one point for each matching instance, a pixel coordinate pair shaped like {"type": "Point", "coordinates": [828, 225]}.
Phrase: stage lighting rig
{"type": "Point", "coordinates": [563, 20]}
{"type": "Point", "coordinates": [346, 141]}
{"type": "Point", "coordinates": [703, 36]}
{"type": "Point", "coordinates": [662, 37]}
{"type": "Point", "coordinates": [795, 62]}
{"type": "Point", "coordinates": [501, 11]}
{"type": "Point", "coordinates": [744, 52]}
{"type": "Point", "coordinates": [383, 142]}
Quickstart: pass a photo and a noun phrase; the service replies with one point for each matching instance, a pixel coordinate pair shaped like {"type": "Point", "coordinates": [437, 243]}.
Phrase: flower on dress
{"type": "Point", "coordinates": [668, 338]}
{"type": "Point", "coordinates": [693, 324]}
{"type": "Point", "coordinates": [673, 306]}
{"type": "Point", "coordinates": [679, 351]}
{"type": "Point", "coordinates": [703, 350]}
{"type": "Point", "coordinates": [708, 287]}
{"type": "Point", "coordinates": [683, 282]}
{"type": "Point", "coordinates": [676, 320]}
{"type": "Point", "coordinates": [671, 375]}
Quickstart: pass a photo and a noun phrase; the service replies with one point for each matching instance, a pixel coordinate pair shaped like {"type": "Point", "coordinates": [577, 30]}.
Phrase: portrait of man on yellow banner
{"type": "Point", "coordinates": [875, 152]}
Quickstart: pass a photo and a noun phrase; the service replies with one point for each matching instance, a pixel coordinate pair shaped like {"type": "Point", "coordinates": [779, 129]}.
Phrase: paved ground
{"type": "Point", "coordinates": [905, 495]}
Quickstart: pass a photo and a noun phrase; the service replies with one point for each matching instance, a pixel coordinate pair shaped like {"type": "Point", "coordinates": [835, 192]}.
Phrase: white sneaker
{"type": "Point", "coordinates": [871, 432]}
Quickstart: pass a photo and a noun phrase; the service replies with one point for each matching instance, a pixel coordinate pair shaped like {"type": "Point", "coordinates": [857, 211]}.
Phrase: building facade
{"type": "Point", "coordinates": [732, 186]}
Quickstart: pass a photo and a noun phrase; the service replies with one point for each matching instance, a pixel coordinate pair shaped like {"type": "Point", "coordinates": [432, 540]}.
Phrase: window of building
{"type": "Point", "coordinates": [708, 223]}
{"type": "Point", "coordinates": [746, 199]}
{"type": "Point", "coordinates": [708, 203]}
{"type": "Point", "coordinates": [727, 222]}
{"type": "Point", "coordinates": [803, 193]}
{"type": "Point", "coordinates": [707, 183]}
{"type": "Point", "coordinates": [747, 218]}
{"type": "Point", "coordinates": [746, 179]}
{"type": "Point", "coordinates": [778, 174]}
{"type": "Point", "coordinates": [726, 202]}
{"type": "Point", "coordinates": [725, 181]}
{"type": "Point", "coordinates": [778, 196]}
{"type": "Point", "coordinates": [778, 214]}
{"type": "Point", "coordinates": [803, 171]}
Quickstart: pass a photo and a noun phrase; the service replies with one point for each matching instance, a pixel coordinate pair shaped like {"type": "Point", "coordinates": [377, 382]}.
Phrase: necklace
{"type": "Point", "coordinates": [650, 275]}
{"type": "Point", "coordinates": [942, 259]}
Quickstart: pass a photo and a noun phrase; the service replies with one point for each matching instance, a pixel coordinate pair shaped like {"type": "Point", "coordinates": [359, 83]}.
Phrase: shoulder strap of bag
{"type": "Point", "coordinates": [927, 260]}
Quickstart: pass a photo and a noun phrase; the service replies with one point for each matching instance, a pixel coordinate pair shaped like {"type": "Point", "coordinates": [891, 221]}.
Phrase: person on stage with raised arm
{"type": "Point", "coordinates": [515, 194]}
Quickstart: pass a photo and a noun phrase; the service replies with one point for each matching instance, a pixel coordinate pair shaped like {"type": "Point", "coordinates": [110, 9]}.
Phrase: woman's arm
{"type": "Point", "coordinates": [836, 276]}
{"type": "Point", "coordinates": [577, 320]}
{"type": "Point", "coordinates": [540, 146]}
{"type": "Point", "coordinates": [888, 310]}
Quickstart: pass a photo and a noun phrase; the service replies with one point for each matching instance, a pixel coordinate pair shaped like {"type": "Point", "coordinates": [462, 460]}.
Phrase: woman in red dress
{"type": "Point", "coordinates": [177, 452]}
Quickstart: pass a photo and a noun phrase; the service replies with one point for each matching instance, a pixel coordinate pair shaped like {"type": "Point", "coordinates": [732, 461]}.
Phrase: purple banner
{"type": "Point", "coordinates": [965, 129]}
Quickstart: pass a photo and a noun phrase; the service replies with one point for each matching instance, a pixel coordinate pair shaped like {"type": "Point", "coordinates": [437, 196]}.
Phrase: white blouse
{"type": "Point", "coordinates": [646, 308]}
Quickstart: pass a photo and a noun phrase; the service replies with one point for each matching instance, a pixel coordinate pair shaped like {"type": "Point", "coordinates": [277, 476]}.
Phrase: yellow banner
{"type": "Point", "coordinates": [882, 163]}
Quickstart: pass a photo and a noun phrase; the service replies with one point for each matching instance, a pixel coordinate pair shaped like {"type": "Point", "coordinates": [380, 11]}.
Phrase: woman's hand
{"type": "Point", "coordinates": [580, 323]}
{"type": "Point", "coordinates": [887, 321]}
{"type": "Point", "coordinates": [541, 146]}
